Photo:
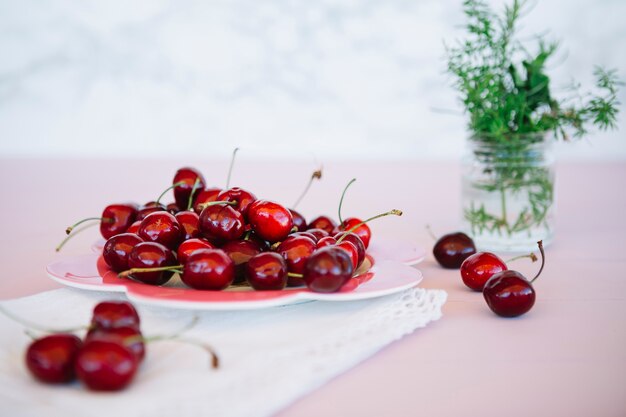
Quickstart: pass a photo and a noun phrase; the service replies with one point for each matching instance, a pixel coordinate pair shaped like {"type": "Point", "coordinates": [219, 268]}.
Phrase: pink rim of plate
{"type": "Point", "coordinates": [391, 272]}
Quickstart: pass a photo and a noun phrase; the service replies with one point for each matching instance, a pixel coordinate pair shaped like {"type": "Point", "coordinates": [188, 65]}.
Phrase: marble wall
{"type": "Point", "coordinates": [318, 79]}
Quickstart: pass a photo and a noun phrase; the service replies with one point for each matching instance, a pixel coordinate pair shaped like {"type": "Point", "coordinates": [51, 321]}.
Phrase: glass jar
{"type": "Point", "coordinates": [508, 191]}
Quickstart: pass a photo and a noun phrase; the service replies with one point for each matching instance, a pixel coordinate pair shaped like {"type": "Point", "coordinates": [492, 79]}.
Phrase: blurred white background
{"type": "Point", "coordinates": [334, 79]}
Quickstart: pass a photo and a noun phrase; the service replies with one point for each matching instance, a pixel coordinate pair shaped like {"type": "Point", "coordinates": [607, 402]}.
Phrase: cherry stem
{"type": "Point", "coordinates": [68, 237]}
{"type": "Point", "coordinates": [193, 190]}
{"type": "Point", "coordinates": [167, 189]}
{"type": "Point", "coordinates": [230, 169]}
{"type": "Point", "coordinates": [215, 203]}
{"type": "Point", "coordinates": [531, 255]}
{"type": "Point", "coordinates": [31, 325]}
{"type": "Point", "coordinates": [341, 200]}
{"type": "Point", "coordinates": [430, 232]}
{"type": "Point", "coordinates": [543, 260]}
{"type": "Point", "coordinates": [393, 212]}
{"type": "Point", "coordinates": [294, 275]}
{"type": "Point", "coordinates": [315, 176]}
{"type": "Point", "coordinates": [101, 219]}
{"type": "Point", "coordinates": [192, 323]}
{"type": "Point", "coordinates": [175, 268]}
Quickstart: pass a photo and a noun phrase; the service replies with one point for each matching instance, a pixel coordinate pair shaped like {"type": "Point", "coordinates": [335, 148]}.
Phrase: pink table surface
{"type": "Point", "coordinates": [567, 357]}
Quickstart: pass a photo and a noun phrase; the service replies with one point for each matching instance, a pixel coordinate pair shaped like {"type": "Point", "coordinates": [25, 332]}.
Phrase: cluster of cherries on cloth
{"type": "Point", "coordinates": [106, 359]}
{"type": "Point", "coordinates": [507, 293]}
{"type": "Point", "coordinates": [215, 238]}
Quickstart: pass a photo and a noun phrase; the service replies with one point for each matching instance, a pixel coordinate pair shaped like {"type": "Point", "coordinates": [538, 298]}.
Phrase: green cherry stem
{"type": "Point", "coordinates": [532, 256]}
{"type": "Point", "coordinates": [193, 190]}
{"type": "Point", "coordinates": [393, 212]}
{"type": "Point", "coordinates": [294, 275]}
{"type": "Point", "coordinates": [38, 327]}
{"type": "Point", "coordinates": [70, 236]}
{"type": "Point", "coordinates": [215, 203]}
{"type": "Point", "coordinates": [175, 268]}
{"type": "Point", "coordinates": [342, 196]}
{"type": "Point", "coordinates": [100, 219]}
{"type": "Point", "coordinates": [230, 169]}
{"type": "Point", "coordinates": [543, 260]}
{"type": "Point", "coordinates": [430, 232]}
{"type": "Point", "coordinates": [167, 189]}
{"type": "Point", "coordinates": [315, 176]}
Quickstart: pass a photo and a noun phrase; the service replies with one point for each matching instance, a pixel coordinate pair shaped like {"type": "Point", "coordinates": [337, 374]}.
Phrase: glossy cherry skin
{"type": "Point", "coordinates": [221, 222]}
{"type": "Point", "coordinates": [326, 241]}
{"type": "Point", "coordinates": [363, 231]}
{"type": "Point", "coordinates": [134, 228]}
{"type": "Point", "coordinates": [205, 196]}
{"type": "Point", "coordinates": [149, 208]}
{"type": "Point", "coordinates": [117, 218]}
{"type": "Point", "coordinates": [151, 255]}
{"type": "Point", "coordinates": [190, 246]}
{"type": "Point", "coordinates": [296, 250]}
{"type": "Point", "coordinates": [479, 267]}
{"type": "Point", "coordinates": [114, 314]}
{"type": "Point", "coordinates": [322, 222]}
{"type": "Point", "coordinates": [350, 248]}
{"type": "Point", "coordinates": [307, 234]}
{"type": "Point", "coordinates": [267, 271]}
{"type": "Point", "coordinates": [241, 251]}
{"type": "Point", "coordinates": [187, 176]}
{"type": "Point", "coordinates": [172, 208]}
{"type": "Point", "coordinates": [269, 220]}
{"type": "Point", "coordinates": [104, 365]}
{"type": "Point", "coordinates": [117, 250]}
{"type": "Point", "coordinates": [190, 222]}
{"type": "Point", "coordinates": [208, 269]}
{"type": "Point", "coordinates": [318, 233]}
{"type": "Point", "coordinates": [299, 221]}
{"type": "Point", "coordinates": [51, 358]}
{"type": "Point", "coordinates": [356, 241]}
{"type": "Point", "coordinates": [509, 294]}
{"type": "Point", "coordinates": [240, 196]}
{"type": "Point", "coordinates": [129, 337]}
{"type": "Point", "coordinates": [161, 227]}
{"type": "Point", "coordinates": [452, 249]}
{"type": "Point", "coordinates": [328, 269]}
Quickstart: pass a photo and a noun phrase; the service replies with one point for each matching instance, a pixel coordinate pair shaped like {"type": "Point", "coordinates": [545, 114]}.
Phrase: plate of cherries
{"type": "Point", "coordinates": [226, 249]}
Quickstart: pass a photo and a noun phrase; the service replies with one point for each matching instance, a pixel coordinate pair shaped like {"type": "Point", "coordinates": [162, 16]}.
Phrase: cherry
{"type": "Point", "coordinates": [240, 197]}
{"type": "Point", "coordinates": [187, 180]}
{"type": "Point", "coordinates": [149, 208]}
{"type": "Point", "coordinates": [509, 293]}
{"type": "Point", "coordinates": [221, 222]}
{"type": "Point", "coordinates": [479, 267]}
{"type": "Point", "coordinates": [150, 255]}
{"type": "Point", "coordinates": [326, 241]}
{"type": "Point", "coordinates": [307, 234]}
{"type": "Point", "coordinates": [241, 251]}
{"type": "Point", "coordinates": [51, 358]}
{"type": "Point", "coordinates": [318, 233]}
{"type": "Point", "coordinates": [350, 248]}
{"type": "Point", "coordinates": [452, 249]}
{"type": "Point", "coordinates": [114, 314]}
{"type": "Point", "coordinates": [359, 228]}
{"type": "Point", "coordinates": [324, 223]}
{"type": "Point", "coordinates": [189, 221]}
{"type": "Point", "coordinates": [296, 250]}
{"type": "Point", "coordinates": [299, 222]}
{"type": "Point", "coordinates": [117, 249]}
{"type": "Point", "coordinates": [190, 246]}
{"type": "Point", "coordinates": [269, 220]}
{"type": "Point", "coordinates": [172, 208]}
{"type": "Point", "coordinates": [130, 337]}
{"type": "Point", "coordinates": [208, 269]}
{"type": "Point", "coordinates": [328, 269]}
{"type": "Point", "coordinates": [355, 240]}
{"type": "Point", "coordinates": [104, 365]}
{"type": "Point", "coordinates": [134, 228]}
{"type": "Point", "coordinates": [205, 196]}
{"type": "Point", "coordinates": [267, 271]}
{"type": "Point", "coordinates": [161, 227]}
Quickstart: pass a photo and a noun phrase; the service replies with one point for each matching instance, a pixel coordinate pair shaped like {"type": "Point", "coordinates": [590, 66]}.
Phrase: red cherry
{"type": "Point", "coordinates": [51, 359]}
{"type": "Point", "coordinates": [221, 222]}
{"type": "Point", "coordinates": [267, 271]}
{"type": "Point", "coordinates": [241, 251]}
{"type": "Point", "coordinates": [185, 180]}
{"type": "Point", "coordinates": [205, 196]}
{"type": "Point", "coordinates": [363, 231]}
{"type": "Point", "coordinates": [172, 208]}
{"type": "Point", "coordinates": [103, 365]}
{"type": "Point", "coordinates": [318, 233]}
{"type": "Point", "coordinates": [350, 248]}
{"type": "Point", "coordinates": [117, 249]}
{"type": "Point", "coordinates": [307, 234]}
{"type": "Point", "coordinates": [161, 227]}
{"type": "Point", "coordinates": [355, 240]}
{"type": "Point", "coordinates": [117, 218]}
{"type": "Point", "coordinates": [190, 223]}
{"type": "Point", "coordinates": [452, 249]}
{"type": "Point", "coordinates": [149, 208]}
{"type": "Point", "coordinates": [269, 220]}
{"type": "Point", "coordinates": [113, 314]}
{"type": "Point", "coordinates": [208, 269]}
{"type": "Point", "coordinates": [299, 222]}
{"type": "Point", "coordinates": [326, 241]}
{"type": "Point", "coordinates": [190, 246]}
{"type": "Point", "coordinates": [151, 255]}
{"type": "Point", "coordinates": [328, 269]}
{"type": "Point", "coordinates": [129, 337]}
{"type": "Point", "coordinates": [134, 228]}
{"type": "Point", "coordinates": [322, 222]}
{"type": "Point", "coordinates": [479, 267]}
{"type": "Point", "coordinates": [296, 250]}
{"type": "Point", "coordinates": [240, 196]}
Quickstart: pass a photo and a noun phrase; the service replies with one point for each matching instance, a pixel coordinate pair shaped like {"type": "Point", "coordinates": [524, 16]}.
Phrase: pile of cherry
{"type": "Point", "coordinates": [215, 238]}
{"type": "Point", "coordinates": [106, 359]}
{"type": "Point", "coordinates": [508, 293]}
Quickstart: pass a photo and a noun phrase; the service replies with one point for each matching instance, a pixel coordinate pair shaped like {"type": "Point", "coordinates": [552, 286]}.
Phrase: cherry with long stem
{"type": "Point", "coordinates": [230, 168]}
{"type": "Point", "coordinates": [393, 212]}
{"type": "Point", "coordinates": [315, 176]}
{"type": "Point", "coordinates": [343, 194]}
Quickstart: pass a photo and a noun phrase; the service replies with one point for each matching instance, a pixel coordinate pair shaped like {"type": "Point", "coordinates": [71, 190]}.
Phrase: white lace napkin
{"type": "Point", "coordinates": [269, 357]}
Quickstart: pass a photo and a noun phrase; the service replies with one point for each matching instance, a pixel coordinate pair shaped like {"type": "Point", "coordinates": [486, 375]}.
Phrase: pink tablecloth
{"type": "Point", "coordinates": [567, 357]}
